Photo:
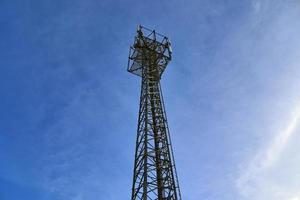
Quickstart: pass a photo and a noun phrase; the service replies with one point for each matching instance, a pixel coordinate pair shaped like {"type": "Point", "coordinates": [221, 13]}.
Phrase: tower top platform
{"type": "Point", "coordinates": [149, 49]}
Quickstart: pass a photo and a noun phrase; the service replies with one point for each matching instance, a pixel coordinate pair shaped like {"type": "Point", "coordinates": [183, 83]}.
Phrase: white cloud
{"type": "Point", "coordinates": [260, 179]}
{"type": "Point", "coordinates": [280, 141]}
{"type": "Point", "coordinates": [295, 198]}
{"type": "Point", "coordinates": [272, 172]}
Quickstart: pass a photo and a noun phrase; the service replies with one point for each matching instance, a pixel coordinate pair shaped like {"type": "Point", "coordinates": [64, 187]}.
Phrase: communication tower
{"type": "Point", "coordinates": [155, 176]}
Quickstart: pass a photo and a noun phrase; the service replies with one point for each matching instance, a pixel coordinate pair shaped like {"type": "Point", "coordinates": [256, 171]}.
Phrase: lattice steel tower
{"type": "Point", "coordinates": [155, 176]}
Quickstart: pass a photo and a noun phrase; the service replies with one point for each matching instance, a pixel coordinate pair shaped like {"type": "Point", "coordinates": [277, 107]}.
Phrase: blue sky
{"type": "Point", "coordinates": [68, 108]}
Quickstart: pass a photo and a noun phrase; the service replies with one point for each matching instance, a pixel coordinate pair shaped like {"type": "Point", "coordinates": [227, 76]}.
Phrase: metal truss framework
{"type": "Point", "coordinates": [155, 176]}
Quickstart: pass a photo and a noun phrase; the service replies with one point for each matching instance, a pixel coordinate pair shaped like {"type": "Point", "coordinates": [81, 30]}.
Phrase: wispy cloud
{"type": "Point", "coordinates": [280, 141]}
{"type": "Point", "coordinates": [253, 180]}
{"type": "Point", "coordinates": [271, 172]}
